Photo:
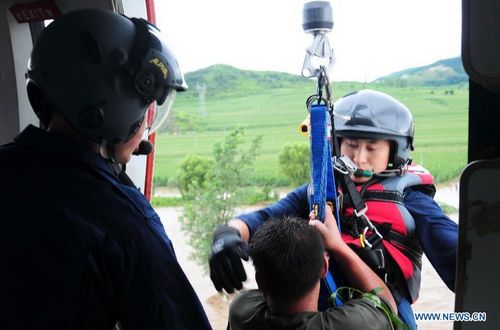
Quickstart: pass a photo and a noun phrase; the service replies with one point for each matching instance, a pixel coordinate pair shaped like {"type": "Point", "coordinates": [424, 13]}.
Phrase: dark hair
{"type": "Point", "coordinates": [288, 254]}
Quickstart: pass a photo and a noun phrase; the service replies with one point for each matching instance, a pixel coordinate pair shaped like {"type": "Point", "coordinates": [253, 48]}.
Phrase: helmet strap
{"type": "Point", "coordinates": [396, 171]}
{"type": "Point", "coordinates": [103, 149]}
{"type": "Point", "coordinates": [107, 151]}
{"type": "Point", "coordinates": [393, 172]}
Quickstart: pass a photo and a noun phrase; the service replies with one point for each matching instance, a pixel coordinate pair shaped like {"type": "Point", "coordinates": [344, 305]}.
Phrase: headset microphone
{"type": "Point", "coordinates": [363, 174]}
{"type": "Point", "coordinates": [144, 148]}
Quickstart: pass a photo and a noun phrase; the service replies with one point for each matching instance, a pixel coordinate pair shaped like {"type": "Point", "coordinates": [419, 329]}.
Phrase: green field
{"type": "Point", "coordinates": [275, 113]}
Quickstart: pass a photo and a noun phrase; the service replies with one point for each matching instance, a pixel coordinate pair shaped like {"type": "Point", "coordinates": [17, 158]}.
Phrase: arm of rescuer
{"type": "Point", "coordinates": [360, 275]}
{"type": "Point", "coordinates": [242, 228]}
{"type": "Point", "coordinates": [229, 246]}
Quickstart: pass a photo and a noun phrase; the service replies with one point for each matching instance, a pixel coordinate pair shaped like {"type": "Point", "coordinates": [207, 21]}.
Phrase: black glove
{"type": "Point", "coordinates": [226, 268]}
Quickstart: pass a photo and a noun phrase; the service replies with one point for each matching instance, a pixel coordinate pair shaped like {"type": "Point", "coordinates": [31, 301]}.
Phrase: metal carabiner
{"type": "Point", "coordinates": [364, 241]}
{"type": "Point", "coordinates": [319, 49]}
{"type": "Point", "coordinates": [369, 227]}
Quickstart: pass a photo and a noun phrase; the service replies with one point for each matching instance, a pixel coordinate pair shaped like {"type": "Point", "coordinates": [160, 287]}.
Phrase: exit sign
{"type": "Point", "coordinates": [35, 11]}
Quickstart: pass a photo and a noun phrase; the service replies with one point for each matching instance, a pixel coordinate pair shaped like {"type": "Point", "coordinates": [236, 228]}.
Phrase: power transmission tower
{"type": "Point", "coordinates": [202, 89]}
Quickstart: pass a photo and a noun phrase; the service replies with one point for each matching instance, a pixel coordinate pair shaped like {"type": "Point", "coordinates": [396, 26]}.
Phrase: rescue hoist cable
{"type": "Point", "coordinates": [322, 188]}
{"type": "Point", "coordinates": [318, 21]}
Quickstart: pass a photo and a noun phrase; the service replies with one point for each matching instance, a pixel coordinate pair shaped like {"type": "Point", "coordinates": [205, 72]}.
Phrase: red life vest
{"type": "Point", "coordinates": [384, 198]}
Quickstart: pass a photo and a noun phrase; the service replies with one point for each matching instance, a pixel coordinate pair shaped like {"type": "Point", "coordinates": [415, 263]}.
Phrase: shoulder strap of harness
{"type": "Point", "coordinates": [354, 198]}
{"type": "Point", "coordinates": [383, 196]}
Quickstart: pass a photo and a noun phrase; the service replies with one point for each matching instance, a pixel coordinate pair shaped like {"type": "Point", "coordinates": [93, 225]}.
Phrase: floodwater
{"type": "Point", "coordinates": [434, 295]}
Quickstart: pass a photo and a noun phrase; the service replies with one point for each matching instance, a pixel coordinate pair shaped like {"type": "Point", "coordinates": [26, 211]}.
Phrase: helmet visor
{"type": "Point", "coordinates": [175, 76]}
{"type": "Point", "coordinates": [157, 114]}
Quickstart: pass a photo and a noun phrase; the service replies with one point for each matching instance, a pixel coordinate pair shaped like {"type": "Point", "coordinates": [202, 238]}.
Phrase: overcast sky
{"type": "Point", "coordinates": [370, 38]}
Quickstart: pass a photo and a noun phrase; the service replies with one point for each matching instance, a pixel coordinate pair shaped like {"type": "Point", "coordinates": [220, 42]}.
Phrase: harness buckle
{"type": "Point", "coordinates": [377, 253]}
{"type": "Point", "coordinates": [381, 258]}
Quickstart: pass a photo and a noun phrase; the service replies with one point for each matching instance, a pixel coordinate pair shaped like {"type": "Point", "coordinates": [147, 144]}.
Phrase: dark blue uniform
{"type": "Point", "coordinates": [81, 249]}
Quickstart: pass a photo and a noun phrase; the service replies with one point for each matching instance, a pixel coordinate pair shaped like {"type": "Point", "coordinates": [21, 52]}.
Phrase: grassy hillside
{"type": "Point", "coordinates": [273, 105]}
{"type": "Point", "coordinates": [226, 81]}
{"type": "Point", "coordinates": [441, 73]}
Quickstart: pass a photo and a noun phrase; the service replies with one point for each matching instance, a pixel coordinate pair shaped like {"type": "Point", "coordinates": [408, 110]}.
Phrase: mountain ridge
{"type": "Point", "coordinates": [448, 71]}
{"type": "Point", "coordinates": [221, 80]}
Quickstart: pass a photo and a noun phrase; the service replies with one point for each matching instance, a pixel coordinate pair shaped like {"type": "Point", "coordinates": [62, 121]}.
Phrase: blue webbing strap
{"type": "Point", "coordinates": [323, 182]}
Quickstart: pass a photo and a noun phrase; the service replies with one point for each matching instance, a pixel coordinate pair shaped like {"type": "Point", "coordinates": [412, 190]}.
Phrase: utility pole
{"type": "Point", "coordinates": [202, 89]}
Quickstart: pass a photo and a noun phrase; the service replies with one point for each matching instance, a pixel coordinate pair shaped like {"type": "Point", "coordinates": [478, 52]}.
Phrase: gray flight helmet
{"type": "Point", "coordinates": [101, 71]}
{"type": "Point", "coordinates": [369, 114]}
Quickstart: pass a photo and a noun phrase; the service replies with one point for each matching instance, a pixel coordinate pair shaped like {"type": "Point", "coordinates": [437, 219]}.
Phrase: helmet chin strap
{"type": "Point", "coordinates": [346, 166]}
{"type": "Point", "coordinates": [369, 174]}
{"type": "Point", "coordinates": [392, 172]}
{"type": "Point", "coordinates": [358, 173]}
{"type": "Point", "coordinates": [103, 149]}
{"type": "Point", "coordinates": [107, 151]}
{"type": "Point", "coordinates": [397, 171]}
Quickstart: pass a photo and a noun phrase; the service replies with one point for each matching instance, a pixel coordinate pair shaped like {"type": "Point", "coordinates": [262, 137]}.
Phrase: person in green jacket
{"type": "Point", "coordinates": [290, 259]}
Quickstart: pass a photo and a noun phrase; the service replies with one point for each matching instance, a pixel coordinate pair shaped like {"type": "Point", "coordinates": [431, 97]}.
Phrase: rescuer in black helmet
{"type": "Point", "coordinates": [102, 75]}
{"type": "Point", "coordinates": [83, 247]}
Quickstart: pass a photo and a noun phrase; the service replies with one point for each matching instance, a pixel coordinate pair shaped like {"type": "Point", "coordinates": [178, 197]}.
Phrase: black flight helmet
{"type": "Point", "coordinates": [102, 71]}
{"type": "Point", "coordinates": [369, 114]}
